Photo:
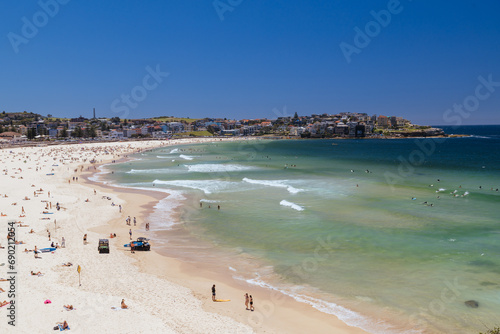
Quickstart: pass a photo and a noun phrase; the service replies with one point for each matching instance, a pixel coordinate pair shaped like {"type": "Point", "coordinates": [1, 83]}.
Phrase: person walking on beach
{"type": "Point", "coordinates": [63, 243]}
{"type": "Point", "coordinates": [85, 239]}
{"type": "Point", "coordinates": [135, 222]}
{"type": "Point", "coordinates": [251, 303]}
{"type": "Point", "coordinates": [247, 299]}
{"type": "Point", "coordinates": [213, 292]}
{"type": "Point", "coordinates": [130, 232]}
{"type": "Point", "coordinates": [120, 206]}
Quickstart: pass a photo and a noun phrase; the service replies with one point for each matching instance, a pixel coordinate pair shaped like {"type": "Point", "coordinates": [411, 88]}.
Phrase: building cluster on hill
{"type": "Point", "coordinates": [15, 127]}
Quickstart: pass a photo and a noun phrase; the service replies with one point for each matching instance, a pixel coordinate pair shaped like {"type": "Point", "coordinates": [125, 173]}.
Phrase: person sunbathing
{"type": "Point", "coordinates": [4, 303]}
{"type": "Point", "coordinates": [32, 231]}
{"type": "Point", "coordinates": [35, 274]}
{"type": "Point", "coordinates": [20, 242]}
{"type": "Point", "coordinates": [68, 307]}
{"type": "Point", "coordinates": [124, 306]}
{"type": "Point", "coordinates": [21, 225]}
{"type": "Point", "coordinates": [69, 264]}
{"type": "Point", "coordinates": [2, 290]}
{"type": "Point", "coordinates": [63, 325]}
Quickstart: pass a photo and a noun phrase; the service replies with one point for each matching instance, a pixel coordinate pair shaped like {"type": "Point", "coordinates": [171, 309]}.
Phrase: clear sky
{"type": "Point", "coordinates": [252, 58]}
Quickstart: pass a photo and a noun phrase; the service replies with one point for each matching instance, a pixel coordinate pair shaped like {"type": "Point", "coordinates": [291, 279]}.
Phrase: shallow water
{"type": "Point", "coordinates": [401, 232]}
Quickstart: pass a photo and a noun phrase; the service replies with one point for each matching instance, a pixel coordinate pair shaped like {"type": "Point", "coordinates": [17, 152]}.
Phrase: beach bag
{"type": "Point", "coordinates": [56, 328]}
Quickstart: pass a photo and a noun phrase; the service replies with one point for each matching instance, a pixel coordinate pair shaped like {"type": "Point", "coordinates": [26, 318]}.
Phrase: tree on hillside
{"type": "Point", "coordinates": [31, 133]}
{"type": "Point", "coordinates": [92, 132]}
{"type": "Point", "coordinates": [64, 133]}
{"type": "Point", "coordinates": [78, 133]}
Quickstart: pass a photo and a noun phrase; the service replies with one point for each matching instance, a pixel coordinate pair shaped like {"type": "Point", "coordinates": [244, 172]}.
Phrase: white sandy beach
{"type": "Point", "coordinates": [163, 294]}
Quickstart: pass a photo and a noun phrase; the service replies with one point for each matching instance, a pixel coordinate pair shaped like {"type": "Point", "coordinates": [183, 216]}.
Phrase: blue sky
{"type": "Point", "coordinates": [252, 58]}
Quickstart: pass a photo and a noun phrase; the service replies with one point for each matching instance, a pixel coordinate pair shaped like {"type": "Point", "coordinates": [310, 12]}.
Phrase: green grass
{"type": "Point", "coordinates": [194, 134]}
{"type": "Point", "coordinates": [53, 119]}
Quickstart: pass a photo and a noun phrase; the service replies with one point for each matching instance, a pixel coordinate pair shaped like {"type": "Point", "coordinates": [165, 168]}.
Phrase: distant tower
{"type": "Point", "coordinates": [94, 113]}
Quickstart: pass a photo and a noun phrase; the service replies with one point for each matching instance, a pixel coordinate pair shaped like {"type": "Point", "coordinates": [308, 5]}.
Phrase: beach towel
{"type": "Point", "coordinates": [62, 329]}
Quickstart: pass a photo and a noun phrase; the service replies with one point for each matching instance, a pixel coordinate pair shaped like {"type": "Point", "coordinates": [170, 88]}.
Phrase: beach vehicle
{"type": "Point", "coordinates": [141, 244]}
{"type": "Point", "coordinates": [103, 246]}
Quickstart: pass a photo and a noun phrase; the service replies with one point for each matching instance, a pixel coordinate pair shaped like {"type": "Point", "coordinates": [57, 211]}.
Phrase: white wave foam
{"type": "Point", "coordinates": [292, 205]}
{"type": "Point", "coordinates": [186, 157]}
{"type": "Point", "coordinates": [163, 215]}
{"type": "Point", "coordinates": [162, 157]}
{"type": "Point", "coordinates": [204, 200]}
{"type": "Point", "coordinates": [349, 317]}
{"type": "Point", "coordinates": [276, 183]}
{"type": "Point", "coordinates": [148, 171]}
{"type": "Point", "coordinates": [175, 150]}
{"type": "Point", "coordinates": [440, 189]}
{"type": "Point", "coordinates": [96, 177]}
{"type": "Point", "coordinates": [210, 168]}
{"type": "Point", "coordinates": [207, 186]}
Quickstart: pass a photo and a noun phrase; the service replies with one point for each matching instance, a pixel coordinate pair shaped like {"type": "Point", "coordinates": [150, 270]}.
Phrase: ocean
{"type": "Point", "coordinates": [390, 235]}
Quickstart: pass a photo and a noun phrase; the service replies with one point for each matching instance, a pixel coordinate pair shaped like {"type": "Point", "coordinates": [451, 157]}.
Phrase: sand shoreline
{"type": "Point", "coordinates": [152, 283]}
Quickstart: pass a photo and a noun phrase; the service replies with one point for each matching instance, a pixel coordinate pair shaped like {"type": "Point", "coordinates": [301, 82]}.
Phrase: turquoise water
{"type": "Point", "coordinates": [390, 235]}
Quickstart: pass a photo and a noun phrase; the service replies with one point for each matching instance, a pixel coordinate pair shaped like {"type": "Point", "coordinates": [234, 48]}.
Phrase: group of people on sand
{"type": "Point", "coordinates": [248, 299]}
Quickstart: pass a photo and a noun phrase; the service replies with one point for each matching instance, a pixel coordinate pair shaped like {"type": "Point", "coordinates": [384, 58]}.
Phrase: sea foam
{"type": "Point", "coordinates": [292, 205]}
{"type": "Point", "coordinates": [207, 186]}
{"type": "Point", "coordinates": [148, 171]}
{"type": "Point", "coordinates": [210, 168]}
{"type": "Point", "coordinates": [347, 316]}
{"type": "Point", "coordinates": [274, 183]}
